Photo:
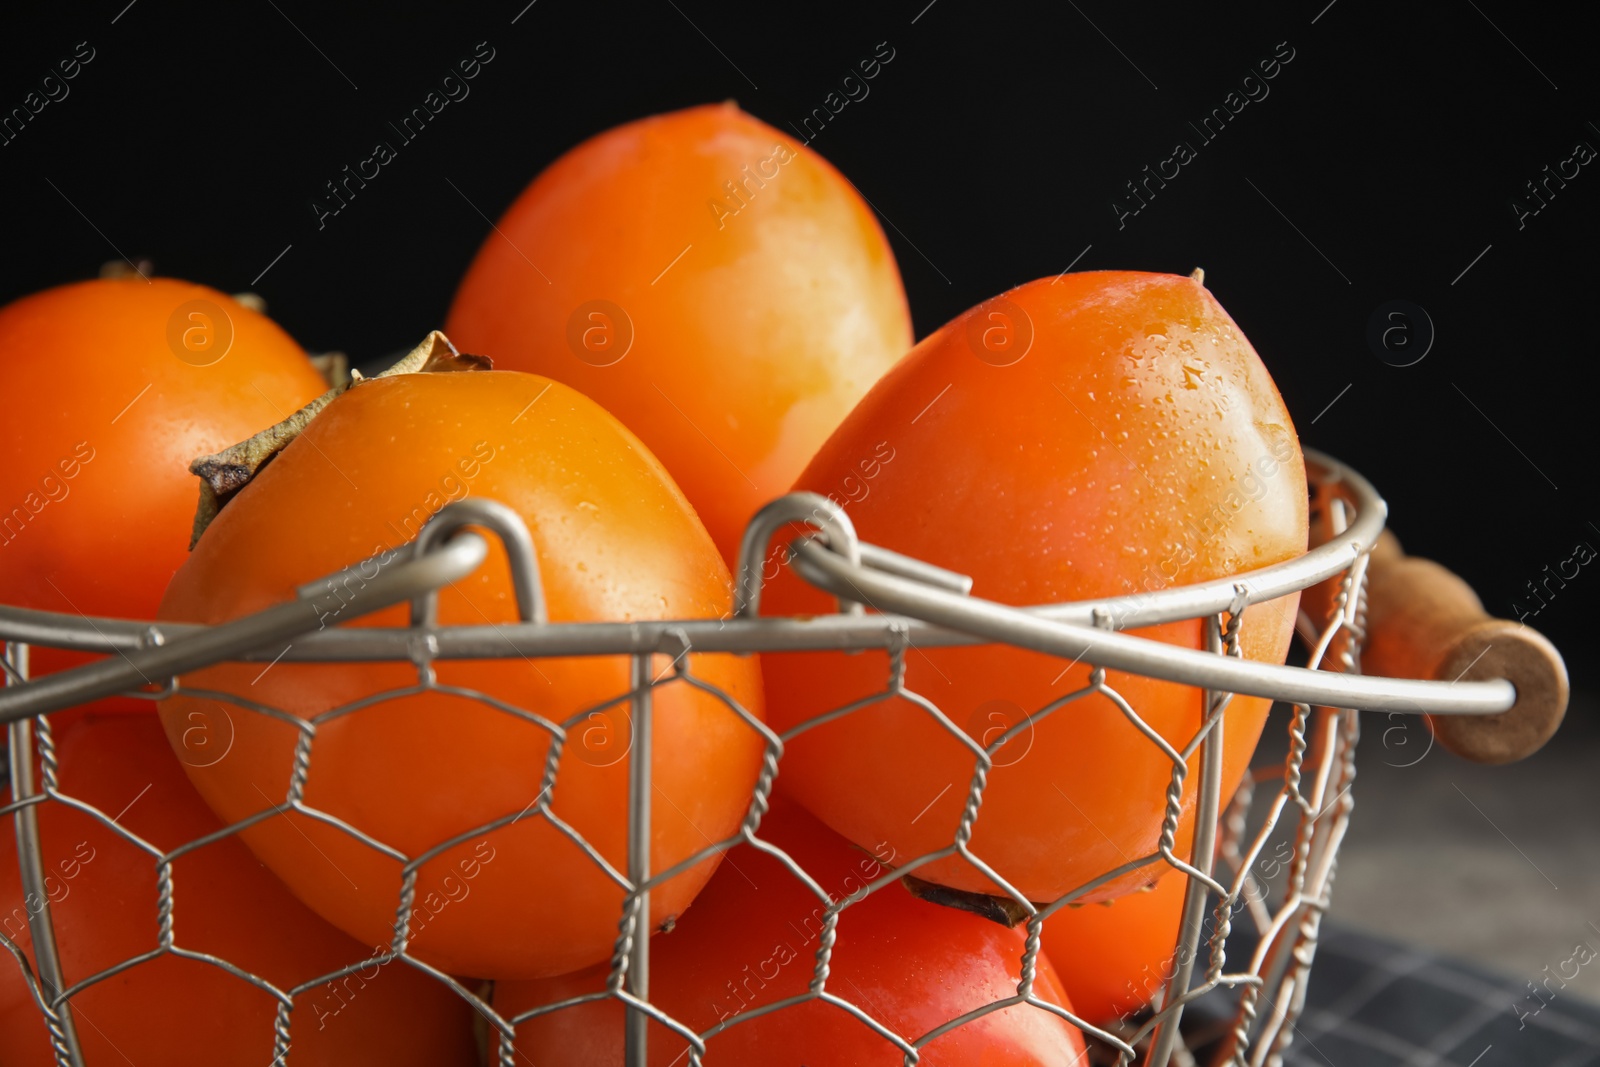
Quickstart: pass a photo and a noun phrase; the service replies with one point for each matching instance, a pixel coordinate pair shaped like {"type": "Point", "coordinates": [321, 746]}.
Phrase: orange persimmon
{"type": "Point", "coordinates": [1080, 438]}
{"type": "Point", "coordinates": [615, 541]}
{"type": "Point", "coordinates": [710, 281]}
{"type": "Point", "coordinates": [111, 387]}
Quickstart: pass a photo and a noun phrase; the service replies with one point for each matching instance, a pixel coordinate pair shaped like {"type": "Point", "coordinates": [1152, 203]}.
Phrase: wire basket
{"type": "Point", "coordinates": [1305, 801]}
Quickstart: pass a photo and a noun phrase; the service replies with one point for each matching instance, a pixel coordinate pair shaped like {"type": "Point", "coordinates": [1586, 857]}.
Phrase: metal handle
{"type": "Point", "coordinates": [526, 584]}
{"type": "Point", "coordinates": [818, 511]}
{"type": "Point", "coordinates": [391, 584]}
{"type": "Point", "coordinates": [1423, 621]}
{"type": "Point", "coordinates": [930, 601]}
{"type": "Point", "coordinates": [1123, 652]}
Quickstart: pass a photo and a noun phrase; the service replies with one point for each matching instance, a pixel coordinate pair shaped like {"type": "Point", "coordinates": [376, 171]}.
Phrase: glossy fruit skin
{"type": "Point", "coordinates": [1114, 956]}
{"type": "Point", "coordinates": [102, 418]}
{"type": "Point", "coordinates": [181, 1012]}
{"type": "Point", "coordinates": [1107, 459]}
{"type": "Point", "coordinates": [615, 540]}
{"type": "Point", "coordinates": [752, 940]}
{"type": "Point", "coordinates": [747, 350]}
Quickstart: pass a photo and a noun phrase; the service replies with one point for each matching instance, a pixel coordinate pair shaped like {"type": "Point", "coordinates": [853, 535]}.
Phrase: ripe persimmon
{"type": "Point", "coordinates": [1079, 438]}
{"type": "Point", "coordinates": [111, 387]}
{"type": "Point", "coordinates": [615, 541]}
{"type": "Point", "coordinates": [105, 902]}
{"type": "Point", "coordinates": [752, 941]}
{"type": "Point", "coordinates": [710, 281]}
{"type": "Point", "coordinates": [1114, 956]}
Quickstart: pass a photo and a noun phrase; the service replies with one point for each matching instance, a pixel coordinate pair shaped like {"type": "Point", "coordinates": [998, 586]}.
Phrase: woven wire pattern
{"type": "Point", "coordinates": [1306, 800]}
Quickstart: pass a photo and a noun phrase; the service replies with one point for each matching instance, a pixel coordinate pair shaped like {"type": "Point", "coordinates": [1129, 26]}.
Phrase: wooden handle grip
{"type": "Point", "coordinates": [1425, 622]}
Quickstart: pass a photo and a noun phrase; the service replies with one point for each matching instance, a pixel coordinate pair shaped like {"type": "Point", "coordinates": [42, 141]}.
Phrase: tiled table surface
{"type": "Point", "coordinates": [1376, 1003]}
{"type": "Point", "coordinates": [1462, 896]}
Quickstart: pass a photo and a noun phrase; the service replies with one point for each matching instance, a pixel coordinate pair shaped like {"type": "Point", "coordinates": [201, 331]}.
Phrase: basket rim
{"type": "Point", "coordinates": [743, 633]}
{"type": "Point", "coordinates": [933, 610]}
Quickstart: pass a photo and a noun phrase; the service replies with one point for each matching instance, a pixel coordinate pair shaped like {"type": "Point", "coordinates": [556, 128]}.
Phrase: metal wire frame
{"type": "Point", "coordinates": [916, 604]}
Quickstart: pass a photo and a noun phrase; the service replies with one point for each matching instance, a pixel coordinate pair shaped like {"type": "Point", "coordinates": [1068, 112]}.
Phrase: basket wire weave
{"type": "Point", "coordinates": [1307, 800]}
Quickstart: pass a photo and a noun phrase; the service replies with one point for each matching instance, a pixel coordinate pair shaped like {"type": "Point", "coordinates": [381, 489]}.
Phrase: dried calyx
{"type": "Point", "coordinates": [1003, 910]}
{"type": "Point", "coordinates": [223, 474]}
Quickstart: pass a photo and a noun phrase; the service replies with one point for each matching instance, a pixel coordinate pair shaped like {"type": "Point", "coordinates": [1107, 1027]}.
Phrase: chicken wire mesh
{"type": "Point", "coordinates": [1304, 801]}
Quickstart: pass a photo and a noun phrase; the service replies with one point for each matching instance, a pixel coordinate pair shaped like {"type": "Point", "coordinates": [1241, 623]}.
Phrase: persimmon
{"type": "Point", "coordinates": [710, 281]}
{"type": "Point", "coordinates": [111, 387]}
{"type": "Point", "coordinates": [615, 541]}
{"type": "Point", "coordinates": [1079, 438]}
{"type": "Point", "coordinates": [104, 900]}
{"type": "Point", "coordinates": [1114, 956]}
{"type": "Point", "coordinates": [752, 941]}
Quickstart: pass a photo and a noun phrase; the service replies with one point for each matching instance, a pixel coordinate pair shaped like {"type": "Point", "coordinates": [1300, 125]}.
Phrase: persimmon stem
{"type": "Point", "coordinates": [1002, 910]}
{"type": "Point", "coordinates": [223, 474]}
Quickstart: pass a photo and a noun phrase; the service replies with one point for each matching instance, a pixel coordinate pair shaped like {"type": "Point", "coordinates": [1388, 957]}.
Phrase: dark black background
{"type": "Point", "coordinates": [993, 146]}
